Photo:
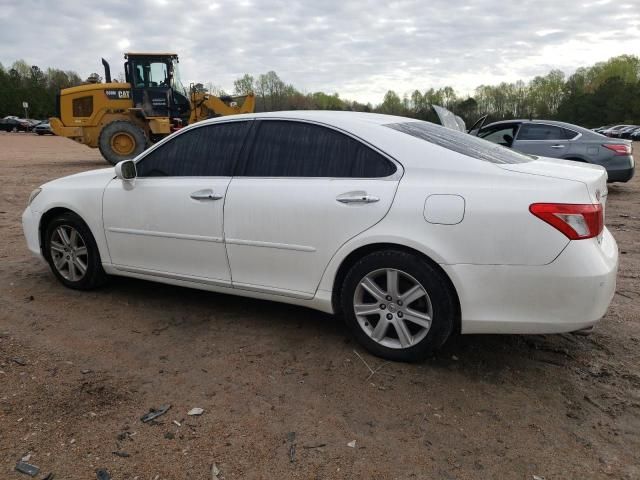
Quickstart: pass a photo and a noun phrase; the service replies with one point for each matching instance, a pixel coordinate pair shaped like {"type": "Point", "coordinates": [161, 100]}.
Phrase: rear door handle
{"type": "Point", "coordinates": [557, 146]}
{"type": "Point", "coordinates": [206, 194]}
{"type": "Point", "coordinates": [357, 197]}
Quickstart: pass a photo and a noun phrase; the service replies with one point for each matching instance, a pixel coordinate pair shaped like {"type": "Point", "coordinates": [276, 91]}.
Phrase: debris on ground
{"type": "Point", "coordinates": [27, 468]}
{"type": "Point", "coordinates": [177, 423]}
{"type": "Point", "coordinates": [85, 371]}
{"type": "Point", "coordinates": [315, 445]}
{"type": "Point", "coordinates": [19, 361]}
{"type": "Point", "coordinates": [102, 474]}
{"type": "Point", "coordinates": [291, 438]}
{"type": "Point", "coordinates": [155, 413]}
{"type": "Point", "coordinates": [215, 471]}
{"type": "Point", "coordinates": [51, 476]}
{"type": "Point", "coordinates": [121, 453]}
{"type": "Point", "coordinates": [169, 435]}
{"type": "Point", "coordinates": [352, 444]}
{"type": "Point", "coordinates": [195, 411]}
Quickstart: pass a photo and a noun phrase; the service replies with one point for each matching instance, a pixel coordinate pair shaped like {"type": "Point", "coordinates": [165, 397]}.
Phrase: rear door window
{"type": "Point", "coordinates": [207, 151]}
{"type": "Point", "coordinates": [536, 131]}
{"type": "Point", "coordinates": [299, 149]}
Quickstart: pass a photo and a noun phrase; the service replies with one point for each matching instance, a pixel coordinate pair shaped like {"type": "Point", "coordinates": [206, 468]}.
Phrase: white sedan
{"type": "Point", "coordinates": [408, 230]}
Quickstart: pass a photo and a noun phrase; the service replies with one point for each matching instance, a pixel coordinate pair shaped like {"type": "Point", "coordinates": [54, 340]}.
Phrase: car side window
{"type": "Point", "coordinates": [570, 134]}
{"type": "Point", "coordinates": [298, 149]}
{"type": "Point", "coordinates": [536, 131]}
{"type": "Point", "coordinates": [207, 151]}
{"type": "Point", "coordinates": [500, 134]}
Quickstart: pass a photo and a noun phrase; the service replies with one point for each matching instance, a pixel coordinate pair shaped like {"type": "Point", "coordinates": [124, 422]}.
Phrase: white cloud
{"type": "Point", "coordinates": [360, 48]}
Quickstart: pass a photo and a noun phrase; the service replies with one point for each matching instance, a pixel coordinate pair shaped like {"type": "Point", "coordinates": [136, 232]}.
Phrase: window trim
{"type": "Point", "coordinates": [576, 137]}
{"type": "Point", "coordinates": [189, 128]}
{"type": "Point", "coordinates": [250, 143]}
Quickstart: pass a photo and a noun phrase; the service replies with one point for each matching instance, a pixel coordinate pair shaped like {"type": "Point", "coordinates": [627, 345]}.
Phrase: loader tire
{"type": "Point", "coordinates": [121, 140]}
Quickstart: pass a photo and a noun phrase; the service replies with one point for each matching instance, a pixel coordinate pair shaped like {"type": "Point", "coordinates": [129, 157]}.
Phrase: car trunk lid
{"type": "Point", "coordinates": [593, 176]}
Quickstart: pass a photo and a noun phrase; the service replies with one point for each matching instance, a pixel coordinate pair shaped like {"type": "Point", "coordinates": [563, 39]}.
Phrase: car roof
{"type": "Point", "coordinates": [333, 117]}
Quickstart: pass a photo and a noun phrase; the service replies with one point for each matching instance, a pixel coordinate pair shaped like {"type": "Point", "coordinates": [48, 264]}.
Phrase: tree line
{"type": "Point", "coordinates": [607, 92]}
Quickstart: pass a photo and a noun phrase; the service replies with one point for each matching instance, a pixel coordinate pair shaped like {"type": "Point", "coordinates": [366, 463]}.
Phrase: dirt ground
{"type": "Point", "coordinates": [284, 390]}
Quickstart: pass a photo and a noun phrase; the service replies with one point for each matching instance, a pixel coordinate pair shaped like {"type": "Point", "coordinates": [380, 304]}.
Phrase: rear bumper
{"type": "Point", "coordinates": [620, 169]}
{"type": "Point", "coordinates": [571, 293]}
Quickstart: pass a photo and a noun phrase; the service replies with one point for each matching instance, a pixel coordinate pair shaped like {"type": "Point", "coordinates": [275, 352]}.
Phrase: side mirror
{"type": "Point", "coordinates": [126, 170]}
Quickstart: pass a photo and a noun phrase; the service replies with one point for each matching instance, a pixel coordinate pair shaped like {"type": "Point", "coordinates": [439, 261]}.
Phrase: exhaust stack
{"type": "Point", "coordinates": [107, 71]}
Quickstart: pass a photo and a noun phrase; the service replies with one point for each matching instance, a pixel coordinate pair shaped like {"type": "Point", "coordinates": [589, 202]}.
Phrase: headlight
{"type": "Point", "coordinates": [33, 195]}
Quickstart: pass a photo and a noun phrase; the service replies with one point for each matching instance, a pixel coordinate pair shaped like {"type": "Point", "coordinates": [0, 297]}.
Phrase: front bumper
{"type": "Point", "coordinates": [31, 232]}
{"type": "Point", "coordinates": [571, 293]}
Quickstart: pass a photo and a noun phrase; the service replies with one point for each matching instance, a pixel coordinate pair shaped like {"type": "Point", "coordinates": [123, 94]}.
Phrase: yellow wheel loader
{"type": "Point", "coordinates": [122, 119]}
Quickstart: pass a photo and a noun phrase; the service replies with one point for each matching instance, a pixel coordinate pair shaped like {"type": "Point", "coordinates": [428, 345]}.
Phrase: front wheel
{"type": "Point", "coordinates": [121, 140]}
{"type": "Point", "coordinates": [72, 253]}
{"type": "Point", "coordinates": [398, 305]}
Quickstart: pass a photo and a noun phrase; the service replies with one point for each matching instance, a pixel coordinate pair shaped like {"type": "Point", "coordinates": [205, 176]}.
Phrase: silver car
{"type": "Point", "coordinates": [548, 138]}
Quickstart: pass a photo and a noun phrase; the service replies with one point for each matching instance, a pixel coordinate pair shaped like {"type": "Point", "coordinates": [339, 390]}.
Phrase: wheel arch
{"type": "Point", "coordinates": [350, 259]}
{"type": "Point", "coordinates": [50, 215]}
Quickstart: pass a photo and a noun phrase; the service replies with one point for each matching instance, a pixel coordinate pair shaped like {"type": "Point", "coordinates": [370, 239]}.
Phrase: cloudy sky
{"type": "Point", "coordinates": [359, 48]}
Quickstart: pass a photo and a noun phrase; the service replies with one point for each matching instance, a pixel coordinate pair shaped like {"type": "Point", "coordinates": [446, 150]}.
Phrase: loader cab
{"type": "Point", "coordinates": [156, 86]}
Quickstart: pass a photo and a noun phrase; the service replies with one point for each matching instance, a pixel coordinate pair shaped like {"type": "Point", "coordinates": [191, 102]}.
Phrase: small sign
{"type": "Point", "coordinates": [25, 105]}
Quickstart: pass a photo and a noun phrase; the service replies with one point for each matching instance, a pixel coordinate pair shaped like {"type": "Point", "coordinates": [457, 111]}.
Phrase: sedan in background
{"type": "Point", "coordinates": [14, 125]}
{"type": "Point", "coordinates": [407, 230]}
{"type": "Point", "coordinates": [549, 138]}
{"type": "Point", "coordinates": [614, 131]}
{"type": "Point", "coordinates": [628, 132]}
{"type": "Point", "coordinates": [43, 128]}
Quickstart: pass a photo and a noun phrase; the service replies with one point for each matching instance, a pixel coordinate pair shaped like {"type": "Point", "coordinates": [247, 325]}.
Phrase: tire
{"type": "Point", "coordinates": [57, 250]}
{"type": "Point", "coordinates": [121, 140]}
{"type": "Point", "coordinates": [40, 133]}
{"type": "Point", "coordinates": [398, 338]}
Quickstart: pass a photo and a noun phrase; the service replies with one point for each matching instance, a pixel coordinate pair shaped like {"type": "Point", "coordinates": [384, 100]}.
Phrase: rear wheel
{"type": "Point", "coordinates": [398, 305]}
{"type": "Point", "coordinates": [121, 140]}
{"type": "Point", "coordinates": [72, 253]}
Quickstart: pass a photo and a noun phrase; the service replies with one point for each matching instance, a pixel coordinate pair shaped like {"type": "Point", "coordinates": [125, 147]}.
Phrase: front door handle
{"type": "Point", "coordinates": [357, 197]}
{"type": "Point", "coordinates": [206, 194]}
{"type": "Point", "coordinates": [557, 146]}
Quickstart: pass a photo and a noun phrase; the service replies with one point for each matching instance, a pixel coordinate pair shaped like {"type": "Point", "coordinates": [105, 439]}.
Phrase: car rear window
{"type": "Point", "coordinates": [460, 142]}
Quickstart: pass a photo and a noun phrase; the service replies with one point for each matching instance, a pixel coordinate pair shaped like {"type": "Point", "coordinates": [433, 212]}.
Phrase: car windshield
{"type": "Point", "coordinates": [461, 142]}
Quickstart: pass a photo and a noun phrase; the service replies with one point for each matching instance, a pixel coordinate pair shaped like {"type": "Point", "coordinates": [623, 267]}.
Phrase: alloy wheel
{"type": "Point", "coordinates": [393, 308]}
{"type": "Point", "coordinates": [69, 253]}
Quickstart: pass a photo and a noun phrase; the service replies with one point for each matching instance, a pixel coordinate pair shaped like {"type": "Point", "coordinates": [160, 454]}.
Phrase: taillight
{"type": "Point", "coordinates": [577, 222]}
{"type": "Point", "coordinates": [619, 149]}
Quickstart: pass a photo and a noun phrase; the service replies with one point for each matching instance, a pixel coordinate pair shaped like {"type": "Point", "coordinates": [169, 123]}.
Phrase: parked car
{"type": "Point", "coordinates": [408, 230]}
{"type": "Point", "coordinates": [14, 125]}
{"type": "Point", "coordinates": [43, 128]}
{"type": "Point", "coordinates": [635, 136]}
{"type": "Point", "coordinates": [553, 139]}
{"type": "Point", "coordinates": [613, 131]}
{"type": "Point", "coordinates": [619, 133]}
{"type": "Point", "coordinates": [548, 138]}
{"type": "Point", "coordinates": [627, 132]}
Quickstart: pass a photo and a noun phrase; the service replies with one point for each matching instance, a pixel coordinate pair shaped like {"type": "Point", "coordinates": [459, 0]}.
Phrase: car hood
{"type": "Point", "coordinates": [102, 175]}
